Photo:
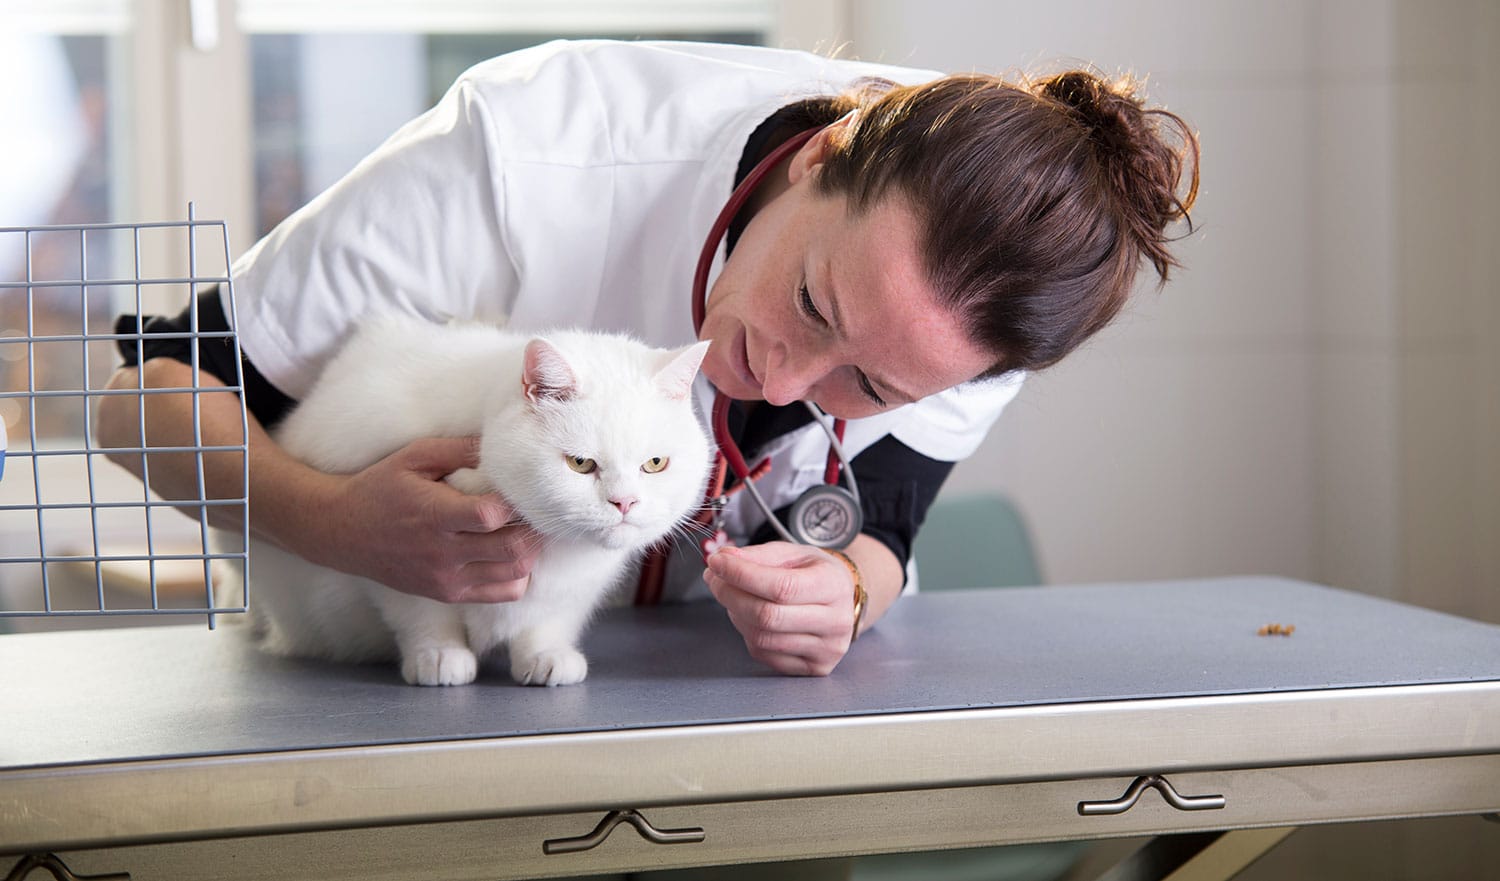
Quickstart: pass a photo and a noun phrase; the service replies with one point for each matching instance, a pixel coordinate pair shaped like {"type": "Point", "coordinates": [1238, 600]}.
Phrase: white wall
{"type": "Point", "coordinates": [1446, 290]}
{"type": "Point", "coordinates": [1318, 395]}
{"type": "Point", "coordinates": [1309, 398]}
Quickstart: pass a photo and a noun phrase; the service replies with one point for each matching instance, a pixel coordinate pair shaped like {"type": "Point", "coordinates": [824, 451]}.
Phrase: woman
{"type": "Point", "coordinates": [903, 267]}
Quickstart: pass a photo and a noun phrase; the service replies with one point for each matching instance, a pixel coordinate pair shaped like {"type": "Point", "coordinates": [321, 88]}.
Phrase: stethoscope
{"type": "Point", "coordinates": [825, 516]}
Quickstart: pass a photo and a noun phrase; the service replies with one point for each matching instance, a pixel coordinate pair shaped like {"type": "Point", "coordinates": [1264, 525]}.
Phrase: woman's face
{"type": "Point", "coordinates": [817, 304]}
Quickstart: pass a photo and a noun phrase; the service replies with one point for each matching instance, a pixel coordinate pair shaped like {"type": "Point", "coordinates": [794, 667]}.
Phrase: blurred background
{"type": "Point", "coordinates": [1315, 395]}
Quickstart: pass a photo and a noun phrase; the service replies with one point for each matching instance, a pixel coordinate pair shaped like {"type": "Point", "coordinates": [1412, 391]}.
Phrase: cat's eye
{"type": "Point", "coordinates": [655, 464]}
{"type": "Point", "coordinates": [580, 464]}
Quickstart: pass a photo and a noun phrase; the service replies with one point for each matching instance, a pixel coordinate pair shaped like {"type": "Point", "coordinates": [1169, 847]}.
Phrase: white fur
{"type": "Point", "coordinates": [397, 381]}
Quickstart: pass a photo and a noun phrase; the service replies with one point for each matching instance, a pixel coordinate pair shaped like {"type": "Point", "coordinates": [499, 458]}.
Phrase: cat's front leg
{"type": "Point", "coordinates": [431, 638]}
{"type": "Point", "coordinates": [541, 657]}
{"type": "Point", "coordinates": [567, 585]}
{"type": "Point", "coordinates": [439, 665]}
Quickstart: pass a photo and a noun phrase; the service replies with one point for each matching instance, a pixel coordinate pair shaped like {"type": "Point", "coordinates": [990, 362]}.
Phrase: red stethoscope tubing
{"type": "Point", "coordinates": [653, 568]}
{"type": "Point", "coordinates": [728, 449]}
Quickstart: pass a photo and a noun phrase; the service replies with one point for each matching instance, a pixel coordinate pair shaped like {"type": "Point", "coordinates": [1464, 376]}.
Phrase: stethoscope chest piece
{"type": "Point", "coordinates": [826, 516]}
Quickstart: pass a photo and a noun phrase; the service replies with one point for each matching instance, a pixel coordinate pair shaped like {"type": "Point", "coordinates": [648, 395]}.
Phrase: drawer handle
{"type": "Point", "coordinates": [608, 824]}
{"type": "Point", "coordinates": [59, 870]}
{"type": "Point", "coordinates": [1158, 783]}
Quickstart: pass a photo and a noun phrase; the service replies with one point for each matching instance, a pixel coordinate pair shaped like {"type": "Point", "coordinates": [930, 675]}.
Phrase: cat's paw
{"type": "Point", "coordinates": [562, 666]}
{"type": "Point", "coordinates": [450, 665]}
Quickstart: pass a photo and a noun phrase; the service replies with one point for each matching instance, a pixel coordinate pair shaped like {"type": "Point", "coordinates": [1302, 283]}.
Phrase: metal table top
{"type": "Point", "coordinates": [82, 698]}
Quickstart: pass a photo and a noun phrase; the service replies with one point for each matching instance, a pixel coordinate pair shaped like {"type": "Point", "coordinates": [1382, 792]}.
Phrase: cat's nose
{"type": "Point", "coordinates": [625, 503]}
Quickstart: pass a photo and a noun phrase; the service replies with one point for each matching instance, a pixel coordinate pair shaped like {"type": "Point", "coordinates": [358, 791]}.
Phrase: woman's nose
{"type": "Point", "coordinates": [789, 377]}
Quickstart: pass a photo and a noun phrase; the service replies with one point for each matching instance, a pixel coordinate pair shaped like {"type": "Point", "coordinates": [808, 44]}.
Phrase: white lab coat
{"type": "Point", "coordinates": [570, 184]}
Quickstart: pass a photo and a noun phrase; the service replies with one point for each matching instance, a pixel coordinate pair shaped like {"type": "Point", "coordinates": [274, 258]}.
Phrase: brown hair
{"type": "Point", "coordinates": [1038, 200]}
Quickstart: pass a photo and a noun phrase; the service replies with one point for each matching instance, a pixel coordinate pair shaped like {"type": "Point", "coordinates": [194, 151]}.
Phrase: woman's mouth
{"type": "Point", "coordinates": [742, 363]}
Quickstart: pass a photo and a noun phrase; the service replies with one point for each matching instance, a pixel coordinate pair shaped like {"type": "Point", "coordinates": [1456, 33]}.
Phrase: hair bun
{"type": "Point", "coordinates": [1111, 116]}
{"type": "Point", "coordinates": [1146, 153]}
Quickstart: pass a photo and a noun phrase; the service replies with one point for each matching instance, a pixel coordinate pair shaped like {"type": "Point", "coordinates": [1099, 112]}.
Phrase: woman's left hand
{"type": "Point", "coordinates": [793, 604]}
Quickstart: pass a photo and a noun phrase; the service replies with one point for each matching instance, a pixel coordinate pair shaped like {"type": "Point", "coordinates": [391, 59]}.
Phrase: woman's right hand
{"type": "Point", "coordinates": [399, 523]}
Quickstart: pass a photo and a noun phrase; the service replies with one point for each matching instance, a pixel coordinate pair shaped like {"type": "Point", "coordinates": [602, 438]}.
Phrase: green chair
{"type": "Point", "coordinates": [974, 541]}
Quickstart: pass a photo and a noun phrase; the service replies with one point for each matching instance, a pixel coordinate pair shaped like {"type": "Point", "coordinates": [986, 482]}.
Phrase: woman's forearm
{"type": "Point", "coordinates": [396, 521]}
{"type": "Point", "coordinates": [882, 573]}
{"type": "Point", "coordinates": [285, 491]}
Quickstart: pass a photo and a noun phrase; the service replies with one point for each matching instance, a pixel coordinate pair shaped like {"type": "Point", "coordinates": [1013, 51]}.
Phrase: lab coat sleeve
{"type": "Point", "coordinates": [415, 228]}
{"type": "Point", "coordinates": [951, 425]}
{"type": "Point", "coordinates": [948, 426]}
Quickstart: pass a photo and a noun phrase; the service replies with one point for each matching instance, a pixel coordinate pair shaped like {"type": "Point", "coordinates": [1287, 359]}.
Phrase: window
{"type": "Point", "coordinates": [329, 82]}
{"type": "Point", "coordinates": [56, 164]}
{"type": "Point", "coordinates": [91, 138]}
{"type": "Point", "coordinates": [124, 112]}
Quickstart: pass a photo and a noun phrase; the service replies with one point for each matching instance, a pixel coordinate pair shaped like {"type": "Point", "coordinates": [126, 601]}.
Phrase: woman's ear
{"type": "Point", "coordinates": [818, 148]}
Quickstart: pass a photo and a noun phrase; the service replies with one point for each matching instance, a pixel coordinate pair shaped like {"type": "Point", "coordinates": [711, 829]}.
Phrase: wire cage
{"type": "Point", "coordinates": [80, 535]}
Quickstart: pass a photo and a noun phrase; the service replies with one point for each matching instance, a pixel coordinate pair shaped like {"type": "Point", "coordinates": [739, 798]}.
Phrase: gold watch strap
{"type": "Point", "coordinates": [860, 597]}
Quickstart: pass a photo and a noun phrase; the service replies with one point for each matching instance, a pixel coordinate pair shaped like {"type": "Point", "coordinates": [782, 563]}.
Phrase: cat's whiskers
{"type": "Point", "coordinates": [565, 527]}
{"type": "Point", "coordinates": [693, 527]}
{"type": "Point", "coordinates": [690, 532]}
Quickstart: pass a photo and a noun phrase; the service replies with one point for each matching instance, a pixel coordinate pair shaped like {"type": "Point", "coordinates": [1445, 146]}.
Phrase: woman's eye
{"type": "Point", "coordinates": [655, 464]}
{"type": "Point", "coordinates": [869, 391]}
{"type": "Point", "coordinates": [808, 307]}
{"type": "Point", "coordinates": [580, 464]}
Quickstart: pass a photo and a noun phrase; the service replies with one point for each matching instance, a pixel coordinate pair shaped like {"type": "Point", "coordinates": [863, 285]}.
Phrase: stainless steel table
{"type": "Point", "coordinates": [983, 717]}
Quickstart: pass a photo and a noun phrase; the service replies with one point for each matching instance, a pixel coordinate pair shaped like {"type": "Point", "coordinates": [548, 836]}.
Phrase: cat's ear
{"type": "Point", "coordinates": [546, 375]}
{"type": "Point", "coordinates": [675, 378]}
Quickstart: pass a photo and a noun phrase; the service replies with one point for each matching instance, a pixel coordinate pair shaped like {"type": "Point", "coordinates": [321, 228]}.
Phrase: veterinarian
{"type": "Point", "coordinates": [903, 267]}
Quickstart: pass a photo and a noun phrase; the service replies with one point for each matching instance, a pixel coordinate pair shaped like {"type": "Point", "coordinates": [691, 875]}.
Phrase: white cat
{"type": "Point", "coordinates": [590, 437]}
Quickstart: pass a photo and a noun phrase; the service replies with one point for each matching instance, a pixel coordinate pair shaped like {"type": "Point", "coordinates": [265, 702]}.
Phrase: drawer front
{"type": "Point", "coordinates": [803, 828]}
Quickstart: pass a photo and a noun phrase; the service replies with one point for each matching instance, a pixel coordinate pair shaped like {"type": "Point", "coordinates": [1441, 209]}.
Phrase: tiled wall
{"type": "Point", "coordinates": [1313, 396]}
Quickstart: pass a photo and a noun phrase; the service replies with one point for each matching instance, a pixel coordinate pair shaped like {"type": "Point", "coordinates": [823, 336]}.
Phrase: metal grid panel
{"type": "Point", "coordinates": [79, 536]}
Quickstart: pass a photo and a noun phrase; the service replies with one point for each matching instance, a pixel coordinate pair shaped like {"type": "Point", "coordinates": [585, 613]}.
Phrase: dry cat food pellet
{"type": "Point", "coordinates": [1276, 630]}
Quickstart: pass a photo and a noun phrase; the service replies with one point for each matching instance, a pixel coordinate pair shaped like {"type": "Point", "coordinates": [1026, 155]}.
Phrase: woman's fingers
{"type": "Point", "coordinates": [792, 605]}
{"type": "Point", "coordinates": [412, 531]}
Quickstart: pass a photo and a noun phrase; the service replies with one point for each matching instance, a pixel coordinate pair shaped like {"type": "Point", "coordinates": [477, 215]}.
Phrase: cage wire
{"type": "Point", "coordinates": [79, 534]}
